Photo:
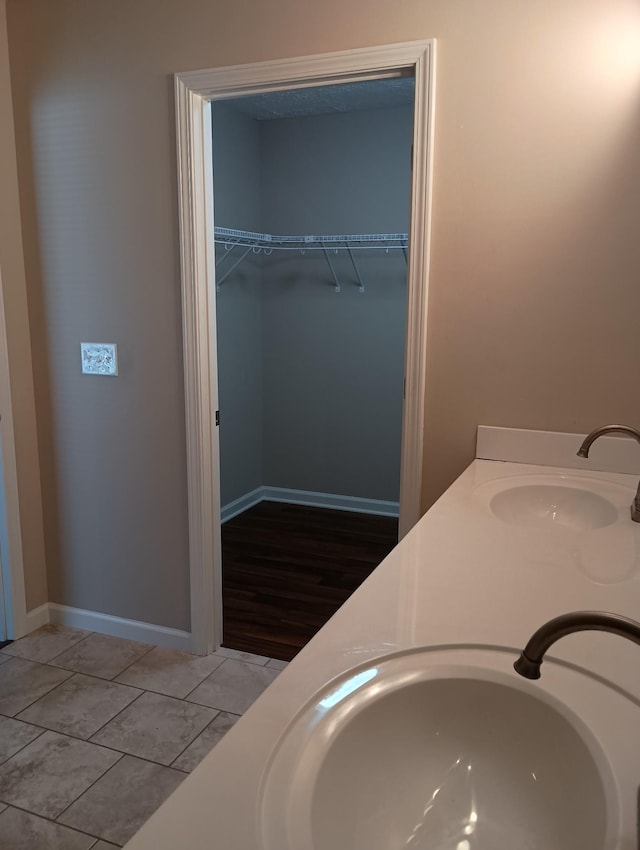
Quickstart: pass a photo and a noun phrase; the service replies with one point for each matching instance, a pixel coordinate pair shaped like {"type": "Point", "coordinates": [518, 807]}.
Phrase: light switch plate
{"type": "Point", "coordinates": [99, 358]}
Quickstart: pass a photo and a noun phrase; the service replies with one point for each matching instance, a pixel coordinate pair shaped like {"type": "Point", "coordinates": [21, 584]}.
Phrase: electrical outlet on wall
{"type": "Point", "coordinates": [99, 358]}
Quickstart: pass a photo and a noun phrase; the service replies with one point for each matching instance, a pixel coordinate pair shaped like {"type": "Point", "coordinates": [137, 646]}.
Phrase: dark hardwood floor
{"type": "Point", "coordinates": [288, 568]}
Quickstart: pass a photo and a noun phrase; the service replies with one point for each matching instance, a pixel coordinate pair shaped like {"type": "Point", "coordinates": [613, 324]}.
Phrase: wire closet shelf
{"type": "Point", "coordinates": [266, 243]}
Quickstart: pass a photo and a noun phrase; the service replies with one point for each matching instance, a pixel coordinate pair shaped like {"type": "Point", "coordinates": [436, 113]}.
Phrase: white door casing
{"type": "Point", "coordinates": [194, 92]}
{"type": "Point", "coordinates": [12, 596]}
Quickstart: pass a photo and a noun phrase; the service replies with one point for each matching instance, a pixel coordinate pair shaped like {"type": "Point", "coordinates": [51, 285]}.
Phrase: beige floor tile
{"type": "Point", "coordinates": [23, 682]}
{"type": "Point", "coordinates": [119, 803]}
{"type": "Point", "coordinates": [102, 655]}
{"type": "Point", "coordinates": [80, 706]}
{"type": "Point", "coordinates": [277, 664]}
{"type": "Point", "coordinates": [15, 735]}
{"type": "Point", "coordinates": [22, 831]}
{"type": "Point", "coordinates": [237, 655]}
{"type": "Point", "coordinates": [45, 643]}
{"type": "Point", "coordinates": [2, 807]}
{"type": "Point", "coordinates": [170, 672]}
{"type": "Point", "coordinates": [105, 845]}
{"type": "Point", "coordinates": [205, 742]}
{"type": "Point", "coordinates": [50, 773]}
{"type": "Point", "coordinates": [155, 727]}
{"type": "Point", "coordinates": [4, 657]}
{"type": "Point", "coordinates": [234, 686]}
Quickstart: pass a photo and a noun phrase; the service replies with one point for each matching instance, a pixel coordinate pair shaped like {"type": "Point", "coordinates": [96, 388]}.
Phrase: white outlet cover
{"type": "Point", "coordinates": [99, 358]}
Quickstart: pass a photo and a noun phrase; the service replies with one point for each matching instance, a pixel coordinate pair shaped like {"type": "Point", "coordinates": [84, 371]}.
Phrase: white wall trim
{"type": "Point", "coordinates": [310, 498]}
{"type": "Point", "coordinates": [411, 463]}
{"type": "Point", "coordinates": [379, 507]}
{"type": "Point", "coordinates": [194, 92]}
{"type": "Point", "coordinates": [195, 192]}
{"type": "Point", "coordinates": [37, 617]}
{"type": "Point", "coordinates": [241, 504]}
{"type": "Point", "coordinates": [11, 560]}
{"type": "Point", "coordinates": [106, 624]}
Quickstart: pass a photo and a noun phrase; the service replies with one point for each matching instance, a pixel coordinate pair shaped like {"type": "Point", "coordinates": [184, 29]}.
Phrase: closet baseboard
{"type": "Point", "coordinates": [309, 498]}
{"type": "Point", "coordinates": [242, 504]}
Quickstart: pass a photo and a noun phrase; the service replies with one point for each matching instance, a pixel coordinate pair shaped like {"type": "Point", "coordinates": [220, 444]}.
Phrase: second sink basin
{"type": "Point", "coordinates": [537, 505]}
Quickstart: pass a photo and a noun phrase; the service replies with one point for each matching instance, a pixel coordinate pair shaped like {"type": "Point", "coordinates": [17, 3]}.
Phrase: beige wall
{"type": "Point", "coordinates": [14, 293]}
{"type": "Point", "coordinates": [534, 292]}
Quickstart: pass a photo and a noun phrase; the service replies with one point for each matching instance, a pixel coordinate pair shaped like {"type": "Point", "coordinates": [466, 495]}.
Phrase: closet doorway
{"type": "Point", "coordinates": [311, 205]}
{"type": "Point", "coordinates": [194, 94]}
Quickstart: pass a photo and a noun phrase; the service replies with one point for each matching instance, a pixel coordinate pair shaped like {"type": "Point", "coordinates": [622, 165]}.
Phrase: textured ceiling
{"type": "Point", "coordinates": [322, 100]}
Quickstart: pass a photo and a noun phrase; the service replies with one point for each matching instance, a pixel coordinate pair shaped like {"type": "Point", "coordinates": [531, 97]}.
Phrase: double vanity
{"type": "Point", "coordinates": [403, 723]}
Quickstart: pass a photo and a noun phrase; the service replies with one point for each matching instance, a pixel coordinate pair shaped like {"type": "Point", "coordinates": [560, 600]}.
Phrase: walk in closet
{"type": "Point", "coordinates": [311, 197]}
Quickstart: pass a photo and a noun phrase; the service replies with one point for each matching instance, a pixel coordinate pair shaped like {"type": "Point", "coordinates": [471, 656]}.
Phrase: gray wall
{"type": "Point", "coordinates": [534, 296]}
{"type": "Point", "coordinates": [333, 366]}
{"type": "Point", "coordinates": [237, 169]}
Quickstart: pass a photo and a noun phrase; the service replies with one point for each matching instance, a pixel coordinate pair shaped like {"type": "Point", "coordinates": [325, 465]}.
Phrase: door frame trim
{"type": "Point", "coordinates": [194, 92]}
{"type": "Point", "coordinates": [11, 560]}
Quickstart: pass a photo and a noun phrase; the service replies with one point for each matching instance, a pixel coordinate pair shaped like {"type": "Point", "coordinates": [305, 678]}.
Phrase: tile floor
{"type": "Point", "coordinates": [97, 731]}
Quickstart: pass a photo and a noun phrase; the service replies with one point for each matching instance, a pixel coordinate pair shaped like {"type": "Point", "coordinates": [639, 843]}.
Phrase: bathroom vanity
{"type": "Point", "coordinates": [528, 532]}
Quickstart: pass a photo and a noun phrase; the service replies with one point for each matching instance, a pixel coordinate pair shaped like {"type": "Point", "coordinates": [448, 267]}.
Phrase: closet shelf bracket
{"type": "Point", "coordinates": [220, 280]}
{"type": "Point", "coordinates": [356, 270]}
{"type": "Point", "coordinates": [333, 271]}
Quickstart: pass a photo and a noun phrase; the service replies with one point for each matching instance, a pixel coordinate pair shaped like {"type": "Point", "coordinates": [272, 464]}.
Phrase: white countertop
{"type": "Point", "coordinates": [460, 577]}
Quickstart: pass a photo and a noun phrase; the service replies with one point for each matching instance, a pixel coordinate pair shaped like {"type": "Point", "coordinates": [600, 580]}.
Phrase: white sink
{"type": "Point", "coordinates": [561, 503]}
{"type": "Point", "coordinates": [420, 756]}
{"type": "Point", "coordinates": [569, 506]}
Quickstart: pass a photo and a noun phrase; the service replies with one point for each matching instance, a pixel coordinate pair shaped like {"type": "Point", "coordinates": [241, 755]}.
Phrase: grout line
{"type": "Point", "coordinates": [55, 823]}
{"type": "Point", "coordinates": [129, 666]}
{"type": "Point", "coordinates": [104, 678]}
{"type": "Point", "coordinates": [151, 691]}
{"type": "Point", "coordinates": [41, 663]}
{"type": "Point", "coordinates": [145, 758]}
{"type": "Point", "coordinates": [131, 755]}
{"type": "Point", "coordinates": [103, 746]}
{"type": "Point", "coordinates": [46, 693]}
{"type": "Point", "coordinates": [88, 788]}
{"type": "Point", "coordinates": [104, 773]}
{"type": "Point", "coordinates": [53, 657]}
{"type": "Point", "coordinates": [82, 639]}
{"type": "Point", "coordinates": [32, 741]}
{"type": "Point", "coordinates": [135, 755]}
{"type": "Point", "coordinates": [187, 695]}
{"type": "Point", "coordinates": [124, 708]}
{"type": "Point", "coordinates": [182, 752]}
{"type": "Point", "coordinates": [113, 749]}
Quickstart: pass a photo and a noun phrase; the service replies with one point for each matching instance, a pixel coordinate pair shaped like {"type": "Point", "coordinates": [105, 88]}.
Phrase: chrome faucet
{"type": "Point", "coordinates": [531, 657]}
{"type": "Point", "coordinates": [583, 451]}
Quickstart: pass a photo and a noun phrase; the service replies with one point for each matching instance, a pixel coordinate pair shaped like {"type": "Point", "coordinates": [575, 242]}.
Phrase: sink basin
{"type": "Point", "coordinates": [538, 505]}
{"type": "Point", "coordinates": [407, 754]}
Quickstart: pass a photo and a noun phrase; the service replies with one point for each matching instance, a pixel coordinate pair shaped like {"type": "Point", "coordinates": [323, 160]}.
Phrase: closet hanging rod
{"type": "Point", "coordinates": [259, 242]}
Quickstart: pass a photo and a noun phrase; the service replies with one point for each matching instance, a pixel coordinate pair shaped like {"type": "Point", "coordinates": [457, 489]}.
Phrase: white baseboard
{"type": "Point", "coordinates": [106, 624]}
{"type": "Point", "coordinates": [37, 617]}
{"type": "Point", "coordinates": [242, 504]}
{"type": "Point", "coordinates": [378, 507]}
